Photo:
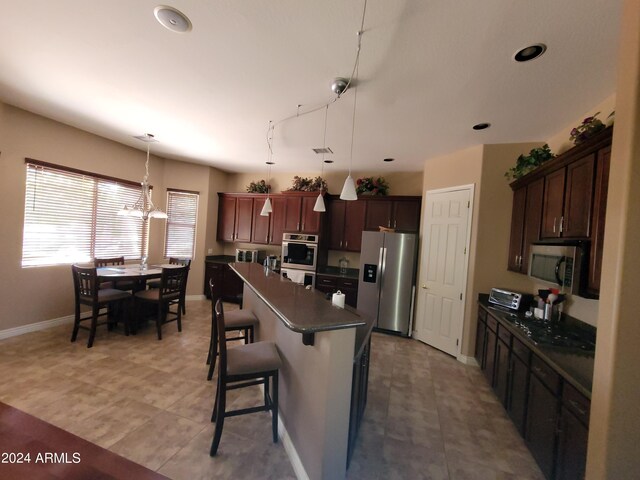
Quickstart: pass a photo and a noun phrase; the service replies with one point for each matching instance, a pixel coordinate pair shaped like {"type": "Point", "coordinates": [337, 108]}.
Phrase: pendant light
{"type": "Point", "coordinates": [266, 208]}
{"type": "Point", "coordinates": [319, 206]}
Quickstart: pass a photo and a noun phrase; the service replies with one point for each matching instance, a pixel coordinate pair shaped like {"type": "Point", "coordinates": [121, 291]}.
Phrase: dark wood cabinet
{"type": "Point", "coordinates": [572, 447]}
{"type": "Point", "coordinates": [501, 368]}
{"type": "Point", "coordinates": [260, 226]}
{"type": "Point", "coordinates": [490, 349]}
{"type": "Point", "coordinates": [525, 224]}
{"type": "Point", "coordinates": [518, 384]}
{"type": "Point", "coordinates": [576, 218]}
{"type": "Point", "coordinates": [244, 219]}
{"type": "Point", "coordinates": [226, 218]}
{"type": "Point", "coordinates": [278, 219]}
{"type": "Point", "coordinates": [359, 385]}
{"type": "Point", "coordinates": [267, 230]}
{"type": "Point", "coordinates": [293, 208]}
{"type": "Point", "coordinates": [398, 212]}
{"type": "Point", "coordinates": [227, 284]}
{"type": "Point", "coordinates": [330, 284]}
{"type": "Point", "coordinates": [553, 203]}
{"type": "Point", "coordinates": [346, 223]}
{"type": "Point", "coordinates": [310, 221]}
{"type": "Point", "coordinates": [481, 338]}
{"type": "Point", "coordinates": [603, 162]}
{"type": "Point", "coordinates": [540, 433]}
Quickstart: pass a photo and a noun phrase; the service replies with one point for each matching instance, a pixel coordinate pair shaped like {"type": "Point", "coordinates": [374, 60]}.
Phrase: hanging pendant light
{"type": "Point", "coordinates": [349, 187]}
{"type": "Point", "coordinates": [319, 205]}
{"type": "Point", "coordinates": [266, 208]}
{"type": "Point", "coordinates": [144, 207]}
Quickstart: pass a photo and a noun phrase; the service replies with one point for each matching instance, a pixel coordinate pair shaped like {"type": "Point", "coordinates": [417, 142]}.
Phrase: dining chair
{"type": "Point", "coordinates": [176, 261]}
{"type": "Point", "coordinates": [171, 286]}
{"type": "Point", "coordinates": [87, 292]}
{"type": "Point", "coordinates": [119, 284]}
{"type": "Point", "coordinates": [244, 366]}
{"type": "Point", "coordinates": [241, 321]}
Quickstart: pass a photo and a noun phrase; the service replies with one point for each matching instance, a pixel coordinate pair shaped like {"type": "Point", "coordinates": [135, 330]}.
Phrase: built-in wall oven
{"type": "Point", "coordinates": [299, 251]}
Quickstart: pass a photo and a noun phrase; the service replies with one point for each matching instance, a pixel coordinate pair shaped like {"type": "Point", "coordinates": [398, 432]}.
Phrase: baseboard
{"type": "Point", "coordinates": [294, 458]}
{"type": "Point", "coordinates": [467, 360]}
{"type": "Point", "coordinates": [34, 327]}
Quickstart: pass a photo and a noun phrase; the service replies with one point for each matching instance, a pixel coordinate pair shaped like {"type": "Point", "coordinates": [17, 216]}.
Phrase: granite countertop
{"type": "Point", "coordinates": [329, 271]}
{"type": "Point", "coordinates": [575, 365]}
{"type": "Point", "coordinates": [220, 258]}
{"type": "Point", "coordinates": [301, 310]}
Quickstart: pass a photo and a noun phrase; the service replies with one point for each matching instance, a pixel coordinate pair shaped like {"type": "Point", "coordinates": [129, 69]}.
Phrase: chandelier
{"type": "Point", "coordinates": [144, 207]}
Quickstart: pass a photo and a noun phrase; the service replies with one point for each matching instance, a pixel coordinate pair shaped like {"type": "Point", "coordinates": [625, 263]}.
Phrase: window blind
{"type": "Point", "coordinates": [71, 216]}
{"type": "Point", "coordinates": [182, 213]}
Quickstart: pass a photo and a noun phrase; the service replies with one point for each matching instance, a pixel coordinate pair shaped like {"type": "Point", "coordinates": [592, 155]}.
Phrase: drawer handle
{"type": "Point", "coordinates": [578, 407]}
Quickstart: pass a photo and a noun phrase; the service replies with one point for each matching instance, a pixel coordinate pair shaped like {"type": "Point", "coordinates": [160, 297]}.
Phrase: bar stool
{"type": "Point", "coordinates": [243, 366]}
{"type": "Point", "coordinates": [241, 321]}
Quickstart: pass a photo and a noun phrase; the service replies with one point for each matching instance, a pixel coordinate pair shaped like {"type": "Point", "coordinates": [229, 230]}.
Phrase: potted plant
{"type": "Point", "coordinates": [303, 184]}
{"type": "Point", "coordinates": [588, 128]}
{"type": "Point", "coordinates": [372, 186]}
{"type": "Point", "coordinates": [258, 187]}
{"type": "Point", "coordinates": [527, 163]}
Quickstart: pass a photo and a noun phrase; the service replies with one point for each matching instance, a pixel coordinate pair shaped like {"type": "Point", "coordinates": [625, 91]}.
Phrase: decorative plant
{"type": "Point", "coordinates": [258, 187]}
{"type": "Point", "coordinates": [589, 126]}
{"type": "Point", "coordinates": [527, 163]}
{"type": "Point", "coordinates": [303, 184]}
{"type": "Point", "coordinates": [371, 185]}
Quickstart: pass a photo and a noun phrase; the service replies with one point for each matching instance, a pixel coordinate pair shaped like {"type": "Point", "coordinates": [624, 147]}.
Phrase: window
{"type": "Point", "coordinates": [72, 216]}
{"type": "Point", "coordinates": [182, 213]}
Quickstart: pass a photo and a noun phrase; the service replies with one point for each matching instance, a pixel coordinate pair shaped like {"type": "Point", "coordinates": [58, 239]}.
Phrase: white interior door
{"type": "Point", "coordinates": [443, 268]}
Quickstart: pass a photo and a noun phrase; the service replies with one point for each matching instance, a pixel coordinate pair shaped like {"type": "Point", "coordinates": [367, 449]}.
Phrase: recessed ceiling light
{"type": "Point", "coordinates": [172, 19]}
{"type": "Point", "coordinates": [481, 126]}
{"type": "Point", "coordinates": [530, 52]}
{"type": "Point", "coordinates": [328, 161]}
{"type": "Point", "coordinates": [388, 159]}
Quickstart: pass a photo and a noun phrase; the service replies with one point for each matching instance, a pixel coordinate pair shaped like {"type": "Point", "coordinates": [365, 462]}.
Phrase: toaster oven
{"type": "Point", "coordinates": [509, 299]}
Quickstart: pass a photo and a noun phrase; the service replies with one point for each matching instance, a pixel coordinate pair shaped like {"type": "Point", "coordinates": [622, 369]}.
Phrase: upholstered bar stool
{"type": "Point", "coordinates": [244, 366]}
{"type": "Point", "coordinates": [87, 292]}
{"type": "Point", "coordinates": [241, 321]}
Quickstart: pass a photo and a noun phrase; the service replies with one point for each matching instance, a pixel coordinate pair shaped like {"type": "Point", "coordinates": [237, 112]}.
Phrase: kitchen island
{"type": "Point", "coordinates": [317, 387]}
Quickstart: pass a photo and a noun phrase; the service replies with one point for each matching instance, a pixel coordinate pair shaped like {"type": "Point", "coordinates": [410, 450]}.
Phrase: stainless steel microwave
{"type": "Point", "coordinates": [559, 265]}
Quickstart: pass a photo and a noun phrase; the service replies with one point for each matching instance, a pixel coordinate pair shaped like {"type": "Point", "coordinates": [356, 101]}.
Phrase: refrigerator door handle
{"type": "Point", "coordinates": [383, 266]}
{"type": "Point", "coordinates": [380, 262]}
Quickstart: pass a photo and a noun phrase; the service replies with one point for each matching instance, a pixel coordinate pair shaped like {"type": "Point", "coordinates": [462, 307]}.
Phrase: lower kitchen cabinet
{"type": "Point", "coordinates": [227, 284]}
{"type": "Point", "coordinates": [331, 284]}
{"type": "Point", "coordinates": [548, 411]}
{"type": "Point", "coordinates": [360, 381]}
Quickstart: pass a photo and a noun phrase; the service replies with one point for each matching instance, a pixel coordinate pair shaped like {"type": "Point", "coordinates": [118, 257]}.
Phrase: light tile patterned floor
{"type": "Point", "coordinates": [428, 416]}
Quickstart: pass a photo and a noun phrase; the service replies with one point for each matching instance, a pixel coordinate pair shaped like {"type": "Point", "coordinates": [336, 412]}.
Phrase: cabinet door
{"type": "Point", "coordinates": [278, 219]}
{"type": "Point", "coordinates": [349, 287]}
{"type": "Point", "coordinates": [336, 210]}
{"type": "Point", "coordinates": [517, 392]}
{"type": "Point", "coordinates": [354, 225]}
{"type": "Point", "coordinates": [597, 228]}
{"type": "Point", "coordinates": [540, 433]}
{"type": "Point", "coordinates": [532, 220]}
{"type": "Point", "coordinates": [310, 220]}
{"type": "Point", "coordinates": [294, 207]}
{"type": "Point", "coordinates": [244, 215]}
{"type": "Point", "coordinates": [226, 219]}
{"type": "Point", "coordinates": [232, 285]}
{"type": "Point", "coordinates": [406, 215]}
{"type": "Point", "coordinates": [518, 215]}
{"type": "Point", "coordinates": [501, 372]}
{"type": "Point", "coordinates": [578, 196]}
{"type": "Point", "coordinates": [572, 447]}
{"type": "Point", "coordinates": [480, 341]}
{"type": "Point", "coordinates": [213, 271]}
{"type": "Point", "coordinates": [490, 354]}
{"type": "Point", "coordinates": [378, 214]}
{"type": "Point", "coordinates": [260, 226]}
{"type": "Point", "coordinates": [553, 204]}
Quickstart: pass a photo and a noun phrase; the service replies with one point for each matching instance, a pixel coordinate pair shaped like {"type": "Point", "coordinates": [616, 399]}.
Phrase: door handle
{"type": "Point", "coordinates": [561, 224]}
{"type": "Point", "coordinates": [346, 244]}
{"type": "Point", "coordinates": [554, 224]}
{"type": "Point", "coordinates": [303, 226]}
{"type": "Point", "coordinates": [557, 270]}
{"type": "Point", "coordinates": [425, 287]}
{"type": "Point", "coordinates": [389, 223]}
{"type": "Point", "coordinates": [395, 223]}
{"type": "Point", "coordinates": [340, 243]}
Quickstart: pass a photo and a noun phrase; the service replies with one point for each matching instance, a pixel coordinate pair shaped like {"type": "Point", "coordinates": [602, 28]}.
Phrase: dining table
{"type": "Point", "coordinates": [138, 274]}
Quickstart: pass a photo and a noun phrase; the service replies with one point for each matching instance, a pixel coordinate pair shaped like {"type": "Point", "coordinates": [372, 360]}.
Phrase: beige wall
{"type": "Point", "coordinates": [614, 433]}
{"type": "Point", "coordinates": [28, 135]}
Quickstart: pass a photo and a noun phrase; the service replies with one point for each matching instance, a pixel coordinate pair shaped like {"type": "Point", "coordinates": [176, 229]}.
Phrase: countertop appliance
{"type": "Point", "coordinates": [560, 265]}
{"type": "Point", "coordinates": [299, 251]}
{"type": "Point", "coordinates": [510, 299]}
{"type": "Point", "coordinates": [243, 255]}
{"type": "Point", "coordinates": [388, 279]}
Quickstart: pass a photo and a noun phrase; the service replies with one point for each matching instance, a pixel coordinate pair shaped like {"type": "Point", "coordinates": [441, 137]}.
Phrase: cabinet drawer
{"type": "Point", "coordinates": [347, 283]}
{"type": "Point", "coordinates": [521, 351]}
{"type": "Point", "coordinates": [215, 266]}
{"type": "Point", "coordinates": [326, 281]}
{"type": "Point", "coordinates": [577, 403]}
{"type": "Point", "coordinates": [504, 335]}
{"type": "Point", "coordinates": [545, 373]}
{"type": "Point", "coordinates": [492, 323]}
{"type": "Point", "coordinates": [482, 314]}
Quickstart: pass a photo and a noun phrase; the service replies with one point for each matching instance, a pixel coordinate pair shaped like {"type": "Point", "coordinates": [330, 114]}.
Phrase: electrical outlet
{"type": "Point", "coordinates": [210, 251]}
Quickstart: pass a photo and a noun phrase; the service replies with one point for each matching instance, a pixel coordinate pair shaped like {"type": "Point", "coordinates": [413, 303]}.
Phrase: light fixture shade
{"type": "Point", "coordinates": [349, 190]}
{"type": "Point", "coordinates": [124, 212]}
{"type": "Point", "coordinates": [134, 212]}
{"type": "Point", "coordinates": [266, 208]}
{"type": "Point", "coordinates": [157, 214]}
{"type": "Point", "coordinates": [319, 206]}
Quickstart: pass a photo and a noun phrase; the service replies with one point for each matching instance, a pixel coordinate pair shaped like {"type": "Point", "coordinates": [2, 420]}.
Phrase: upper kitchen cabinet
{"type": "Point", "coordinates": [267, 230]}
{"type": "Point", "coordinates": [525, 224]}
{"type": "Point", "coordinates": [597, 228]}
{"type": "Point", "coordinates": [398, 212]}
{"type": "Point", "coordinates": [300, 215]}
{"type": "Point", "coordinates": [346, 223]}
{"type": "Point", "coordinates": [234, 217]}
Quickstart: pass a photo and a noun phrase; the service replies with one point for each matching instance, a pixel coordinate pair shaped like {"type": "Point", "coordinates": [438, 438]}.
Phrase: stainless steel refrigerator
{"type": "Point", "coordinates": [387, 279]}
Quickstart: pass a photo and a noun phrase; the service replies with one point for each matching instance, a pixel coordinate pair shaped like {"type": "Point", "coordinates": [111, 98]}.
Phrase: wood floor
{"type": "Point", "coordinates": [428, 416]}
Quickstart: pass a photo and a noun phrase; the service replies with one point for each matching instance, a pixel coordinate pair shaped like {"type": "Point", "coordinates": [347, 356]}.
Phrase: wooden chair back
{"type": "Point", "coordinates": [106, 262]}
{"type": "Point", "coordinates": [218, 315]}
{"type": "Point", "coordinates": [172, 282]}
{"type": "Point", "coordinates": [85, 283]}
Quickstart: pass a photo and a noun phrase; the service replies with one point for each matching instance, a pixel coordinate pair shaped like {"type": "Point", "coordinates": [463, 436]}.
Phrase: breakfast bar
{"type": "Point", "coordinates": [321, 347]}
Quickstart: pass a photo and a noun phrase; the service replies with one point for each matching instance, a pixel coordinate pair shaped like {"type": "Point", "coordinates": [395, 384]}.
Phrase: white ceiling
{"type": "Point", "coordinates": [429, 70]}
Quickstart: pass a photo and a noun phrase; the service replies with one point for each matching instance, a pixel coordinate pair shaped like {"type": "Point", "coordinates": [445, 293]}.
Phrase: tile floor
{"type": "Point", "coordinates": [428, 416]}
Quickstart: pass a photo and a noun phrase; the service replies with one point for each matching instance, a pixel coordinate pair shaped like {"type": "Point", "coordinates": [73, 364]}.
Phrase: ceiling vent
{"type": "Point", "coordinates": [324, 150]}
